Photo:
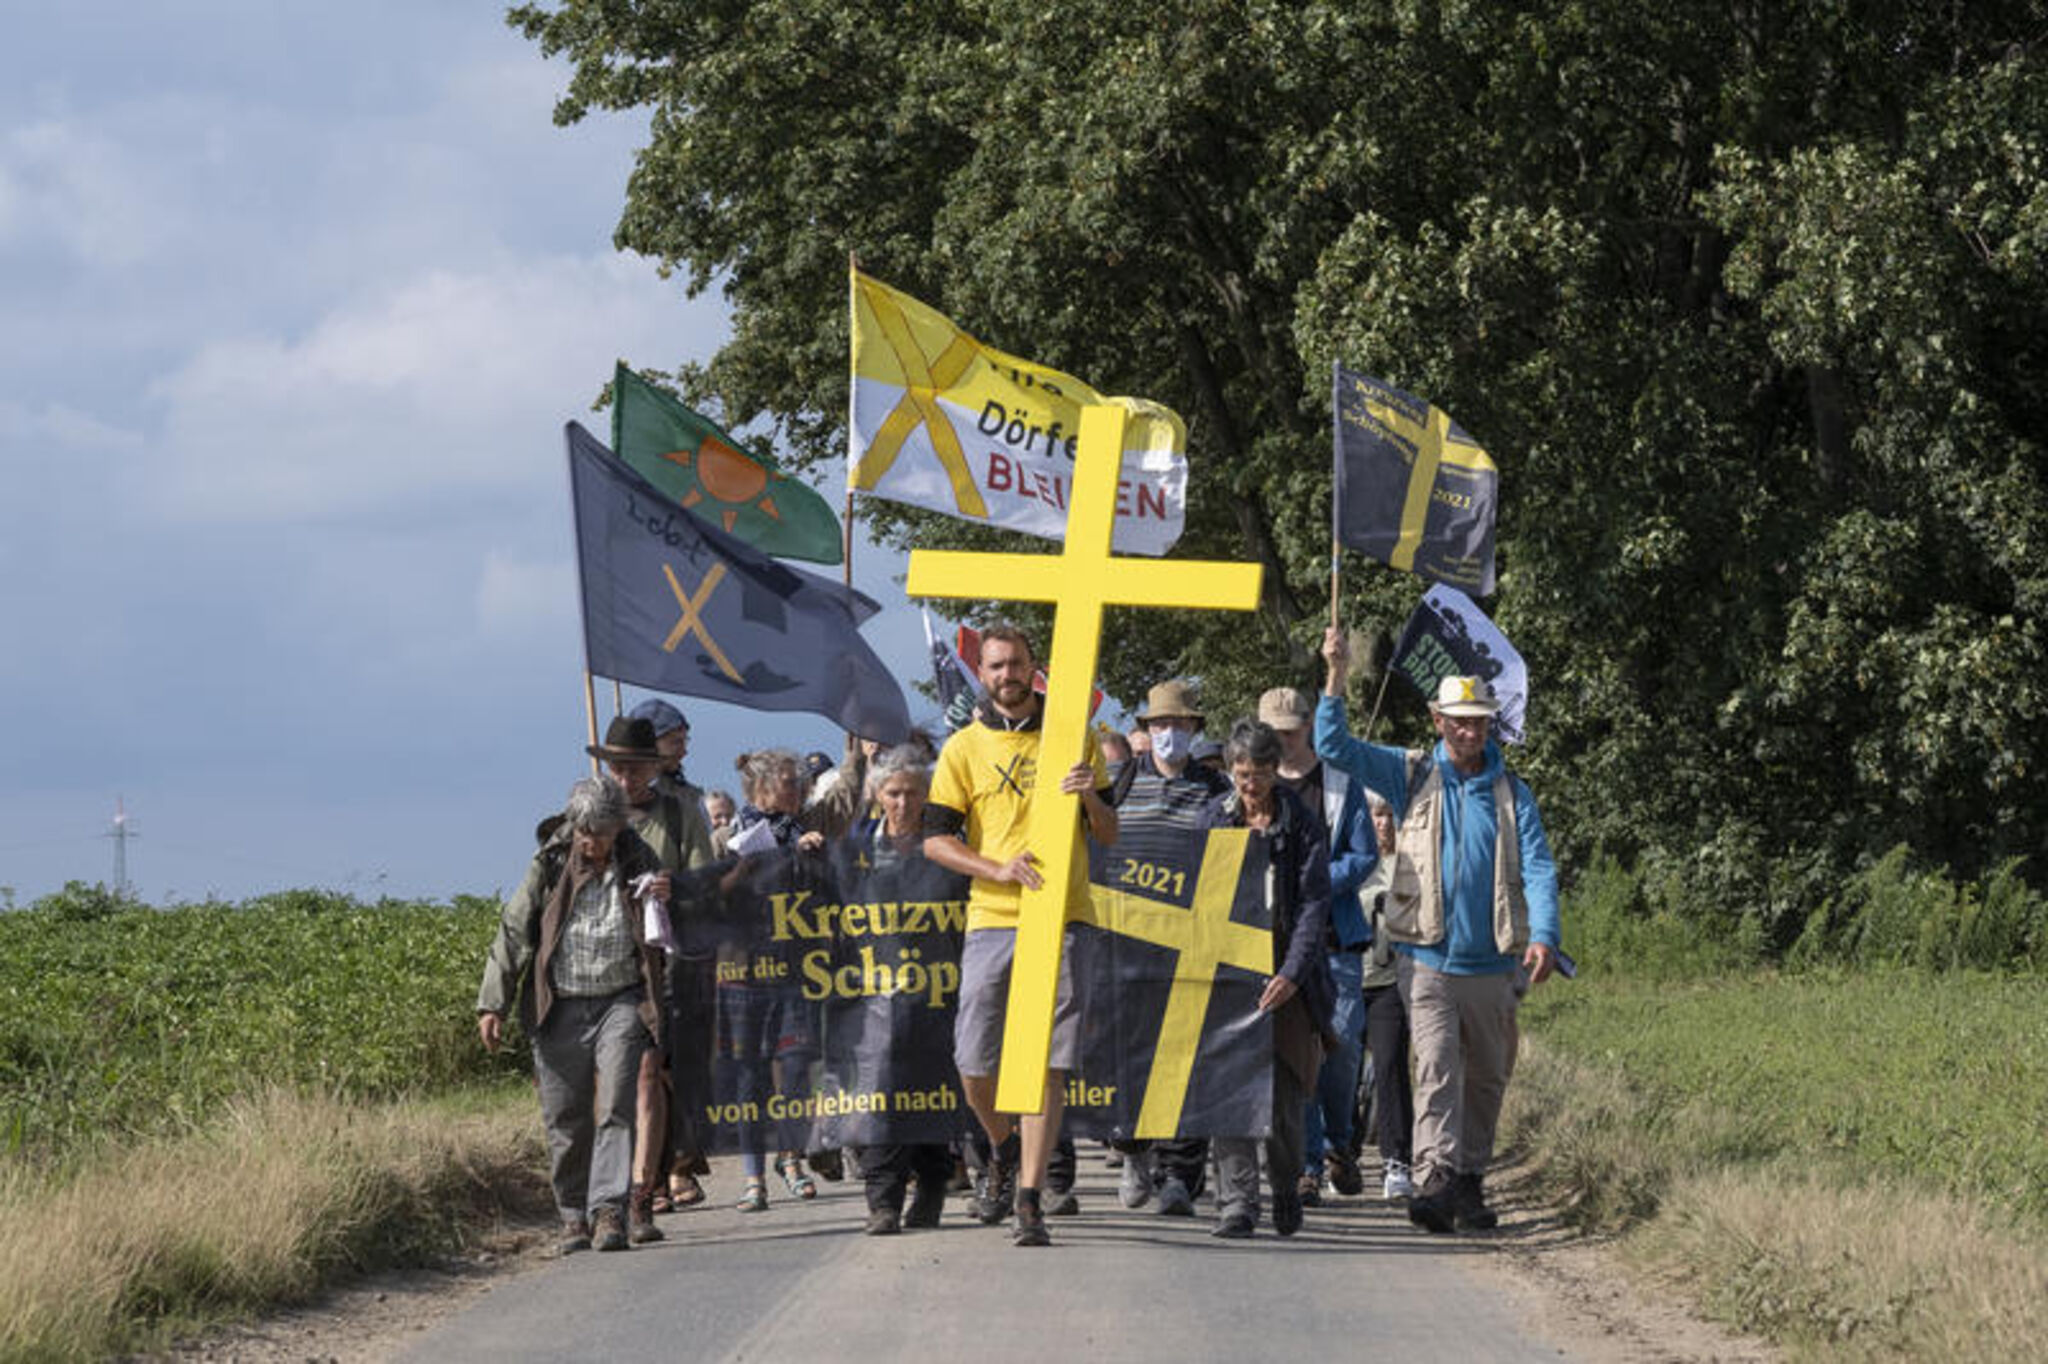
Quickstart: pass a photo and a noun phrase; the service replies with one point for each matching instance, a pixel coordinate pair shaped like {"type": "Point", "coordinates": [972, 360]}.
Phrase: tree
{"type": "Point", "coordinates": [1743, 299]}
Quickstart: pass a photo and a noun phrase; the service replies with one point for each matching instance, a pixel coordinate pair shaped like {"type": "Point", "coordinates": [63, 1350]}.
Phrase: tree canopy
{"type": "Point", "coordinates": [1744, 299]}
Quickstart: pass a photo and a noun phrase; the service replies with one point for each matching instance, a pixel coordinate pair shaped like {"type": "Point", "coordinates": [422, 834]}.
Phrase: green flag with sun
{"type": "Point", "coordinates": [705, 470]}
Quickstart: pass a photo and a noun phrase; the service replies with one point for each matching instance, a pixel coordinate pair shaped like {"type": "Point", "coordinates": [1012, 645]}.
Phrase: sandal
{"type": "Point", "coordinates": [684, 1191]}
{"type": "Point", "coordinates": [659, 1202]}
{"type": "Point", "coordinates": [755, 1199]}
{"type": "Point", "coordinates": [801, 1185]}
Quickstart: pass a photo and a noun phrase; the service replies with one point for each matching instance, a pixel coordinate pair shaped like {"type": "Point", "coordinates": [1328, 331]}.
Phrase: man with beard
{"type": "Point", "coordinates": [976, 823]}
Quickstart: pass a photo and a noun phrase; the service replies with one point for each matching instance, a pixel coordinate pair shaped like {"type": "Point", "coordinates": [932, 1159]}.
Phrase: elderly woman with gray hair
{"type": "Point", "coordinates": [883, 862]}
{"type": "Point", "coordinates": [572, 948]}
{"type": "Point", "coordinates": [1299, 995]}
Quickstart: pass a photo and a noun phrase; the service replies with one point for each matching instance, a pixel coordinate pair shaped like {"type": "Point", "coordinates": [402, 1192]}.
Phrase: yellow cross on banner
{"type": "Point", "coordinates": [1434, 446]}
{"type": "Point", "coordinates": [1080, 581]}
{"type": "Point", "coordinates": [692, 621]}
{"type": "Point", "coordinates": [1205, 937]}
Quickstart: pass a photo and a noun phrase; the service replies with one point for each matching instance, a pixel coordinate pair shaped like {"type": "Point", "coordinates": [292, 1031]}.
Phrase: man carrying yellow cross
{"type": "Point", "coordinates": [976, 823]}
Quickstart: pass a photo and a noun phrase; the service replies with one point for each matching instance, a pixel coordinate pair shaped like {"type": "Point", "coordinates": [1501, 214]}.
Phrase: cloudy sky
{"type": "Point", "coordinates": [298, 298]}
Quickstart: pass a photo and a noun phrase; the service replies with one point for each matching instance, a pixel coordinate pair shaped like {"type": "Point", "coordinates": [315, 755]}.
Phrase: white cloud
{"type": "Point", "coordinates": [91, 197]}
{"type": "Point", "coordinates": [453, 384]}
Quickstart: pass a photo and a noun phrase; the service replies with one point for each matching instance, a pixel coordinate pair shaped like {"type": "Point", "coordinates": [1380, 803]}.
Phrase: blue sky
{"type": "Point", "coordinates": [298, 299]}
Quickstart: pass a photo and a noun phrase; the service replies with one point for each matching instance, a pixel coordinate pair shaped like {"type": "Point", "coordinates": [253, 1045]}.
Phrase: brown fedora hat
{"type": "Point", "coordinates": [626, 740]}
{"type": "Point", "coordinates": [1170, 700]}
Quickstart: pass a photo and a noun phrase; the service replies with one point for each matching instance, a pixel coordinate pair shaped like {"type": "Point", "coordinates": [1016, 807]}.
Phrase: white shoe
{"type": "Point", "coordinates": [1399, 1183]}
{"type": "Point", "coordinates": [1134, 1186]}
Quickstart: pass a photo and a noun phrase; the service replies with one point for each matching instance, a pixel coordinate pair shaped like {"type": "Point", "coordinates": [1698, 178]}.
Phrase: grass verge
{"type": "Point", "coordinates": [1850, 1166]}
{"type": "Point", "coordinates": [285, 1193]}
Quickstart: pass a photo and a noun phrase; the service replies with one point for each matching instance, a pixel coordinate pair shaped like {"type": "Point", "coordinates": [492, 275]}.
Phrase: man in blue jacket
{"type": "Point", "coordinates": [1472, 907]}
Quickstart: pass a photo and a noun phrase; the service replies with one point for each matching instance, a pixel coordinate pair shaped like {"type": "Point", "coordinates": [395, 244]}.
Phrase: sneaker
{"type": "Point", "coordinates": [1235, 1225]}
{"type": "Point", "coordinates": [575, 1236]}
{"type": "Point", "coordinates": [1342, 1172]}
{"type": "Point", "coordinates": [1432, 1208]}
{"type": "Point", "coordinates": [640, 1228]}
{"type": "Point", "coordinates": [1134, 1185]}
{"type": "Point", "coordinates": [925, 1206]}
{"type": "Point", "coordinates": [755, 1199]}
{"type": "Point", "coordinates": [608, 1229]}
{"type": "Point", "coordinates": [1468, 1204]}
{"type": "Point", "coordinates": [1062, 1203]}
{"type": "Point", "coordinates": [883, 1222]}
{"type": "Point", "coordinates": [1030, 1221]}
{"type": "Point", "coordinates": [1309, 1190]}
{"type": "Point", "coordinates": [1174, 1198]}
{"type": "Point", "coordinates": [1398, 1182]}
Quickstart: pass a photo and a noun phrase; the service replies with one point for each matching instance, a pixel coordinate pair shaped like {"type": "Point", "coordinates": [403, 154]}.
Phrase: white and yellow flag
{"type": "Point", "coordinates": [943, 422]}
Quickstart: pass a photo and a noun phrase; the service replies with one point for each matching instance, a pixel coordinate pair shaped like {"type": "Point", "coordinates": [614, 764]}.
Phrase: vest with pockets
{"type": "Point", "coordinates": [1415, 895]}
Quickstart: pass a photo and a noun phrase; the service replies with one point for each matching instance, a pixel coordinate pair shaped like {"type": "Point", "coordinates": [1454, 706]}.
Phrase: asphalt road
{"type": "Point", "coordinates": [800, 1282]}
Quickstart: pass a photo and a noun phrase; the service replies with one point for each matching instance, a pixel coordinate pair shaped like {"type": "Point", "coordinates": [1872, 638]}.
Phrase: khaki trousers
{"type": "Point", "coordinates": [1463, 1036]}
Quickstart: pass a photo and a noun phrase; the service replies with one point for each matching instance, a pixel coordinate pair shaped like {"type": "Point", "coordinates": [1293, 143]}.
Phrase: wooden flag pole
{"type": "Point", "coordinates": [1336, 551]}
{"type": "Point", "coordinates": [590, 714]}
{"type": "Point", "coordinates": [618, 700]}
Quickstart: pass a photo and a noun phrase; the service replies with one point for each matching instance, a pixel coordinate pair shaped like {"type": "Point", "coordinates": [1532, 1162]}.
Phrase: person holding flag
{"type": "Point", "coordinates": [976, 823]}
{"type": "Point", "coordinates": [1472, 906]}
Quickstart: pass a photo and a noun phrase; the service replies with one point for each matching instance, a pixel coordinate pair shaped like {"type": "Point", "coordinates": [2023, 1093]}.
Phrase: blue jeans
{"type": "Point", "coordinates": [1328, 1123]}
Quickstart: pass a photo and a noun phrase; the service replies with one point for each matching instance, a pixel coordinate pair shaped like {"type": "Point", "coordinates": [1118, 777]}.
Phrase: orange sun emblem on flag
{"type": "Point", "coordinates": [726, 477]}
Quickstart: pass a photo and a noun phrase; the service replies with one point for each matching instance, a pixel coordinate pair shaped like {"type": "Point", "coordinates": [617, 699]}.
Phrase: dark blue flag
{"type": "Point", "coordinates": [674, 604]}
{"type": "Point", "coordinates": [1413, 490]}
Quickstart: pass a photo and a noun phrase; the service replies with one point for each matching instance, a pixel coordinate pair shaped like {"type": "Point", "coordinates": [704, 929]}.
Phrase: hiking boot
{"type": "Point", "coordinates": [1030, 1221]}
{"type": "Point", "coordinates": [575, 1236]}
{"type": "Point", "coordinates": [827, 1165]}
{"type": "Point", "coordinates": [640, 1228]}
{"type": "Point", "coordinates": [926, 1205]}
{"type": "Point", "coordinates": [1134, 1185]}
{"type": "Point", "coordinates": [1468, 1204]}
{"type": "Point", "coordinates": [999, 1191]}
{"type": "Point", "coordinates": [1308, 1190]}
{"type": "Point", "coordinates": [1342, 1172]}
{"type": "Point", "coordinates": [883, 1222]}
{"type": "Point", "coordinates": [1235, 1225]}
{"type": "Point", "coordinates": [1287, 1212]}
{"type": "Point", "coordinates": [1174, 1198]}
{"type": "Point", "coordinates": [1062, 1203]}
{"type": "Point", "coordinates": [1432, 1209]}
{"type": "Point", "coordinates": [608, 1229]}
{"type": "Point", "coordinates": [1398, 1183]}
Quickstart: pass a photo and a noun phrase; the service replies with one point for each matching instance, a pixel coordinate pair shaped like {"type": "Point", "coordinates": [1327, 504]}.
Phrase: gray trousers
{"type": "Point", "coordinates": [1463, 1034]}
{"type": "Point", "coordinates": [587, 1059]}
{"type": "Point", "coordinates": [1237, 1158]}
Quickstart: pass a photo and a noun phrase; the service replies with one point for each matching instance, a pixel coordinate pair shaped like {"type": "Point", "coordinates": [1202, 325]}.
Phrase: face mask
{"type": "Point", "coordinates": [1172, 745]}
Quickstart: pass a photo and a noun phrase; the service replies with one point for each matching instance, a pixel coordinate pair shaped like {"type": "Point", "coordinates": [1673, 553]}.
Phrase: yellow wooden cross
{"type": "Point", "coordinates": [1205, 937]}
{"type": "Point", "coordinates": [1080, 581]}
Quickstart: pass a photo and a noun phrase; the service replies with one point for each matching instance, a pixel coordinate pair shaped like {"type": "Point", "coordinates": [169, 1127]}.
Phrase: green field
{"type": "Point", "coordinates": [117, 1021]}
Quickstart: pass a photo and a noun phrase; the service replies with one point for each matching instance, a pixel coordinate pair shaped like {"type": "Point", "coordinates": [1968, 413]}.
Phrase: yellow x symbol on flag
{"type": "Point", "coordinates": [691, 622]}
{"type": "Point", "coordinates": [923, 380]}
{"type": "Point", "coordinates": [1434, 446]}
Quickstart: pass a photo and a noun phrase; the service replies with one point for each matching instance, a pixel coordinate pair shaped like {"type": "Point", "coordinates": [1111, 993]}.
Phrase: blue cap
{"type": "Point", "coordinates": [661, 715]}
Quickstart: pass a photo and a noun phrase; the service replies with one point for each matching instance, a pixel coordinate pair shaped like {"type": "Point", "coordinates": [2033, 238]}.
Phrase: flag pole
{"type": "Point", "coordinates": [1336, 551]}
{"type": "Point", "coordinates": [618, 700]}
{"type": "Point", "coordinates": [590, 714]}
{"type": "Point", "coordinates": [852, 311]}
{"type": "Point", "coordinates": [1374, 718]}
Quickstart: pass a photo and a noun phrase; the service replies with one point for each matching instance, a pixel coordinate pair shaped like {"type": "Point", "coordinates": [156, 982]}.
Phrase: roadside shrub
{"type": "Point", "coordinates": [1894, 914]}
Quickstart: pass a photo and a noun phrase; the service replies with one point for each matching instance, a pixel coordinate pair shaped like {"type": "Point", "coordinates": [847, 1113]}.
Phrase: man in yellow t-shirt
{"type": "Point", "coordinates": [975, 823]}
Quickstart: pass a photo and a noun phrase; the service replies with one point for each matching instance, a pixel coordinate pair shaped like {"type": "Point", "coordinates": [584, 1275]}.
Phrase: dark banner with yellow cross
{"type": "Point", "coordinates": [672, 603]}
{"type": "Point", "coordinates": [1412, 489]}
{"type": "Point", "coordinates": [1171, 967]}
